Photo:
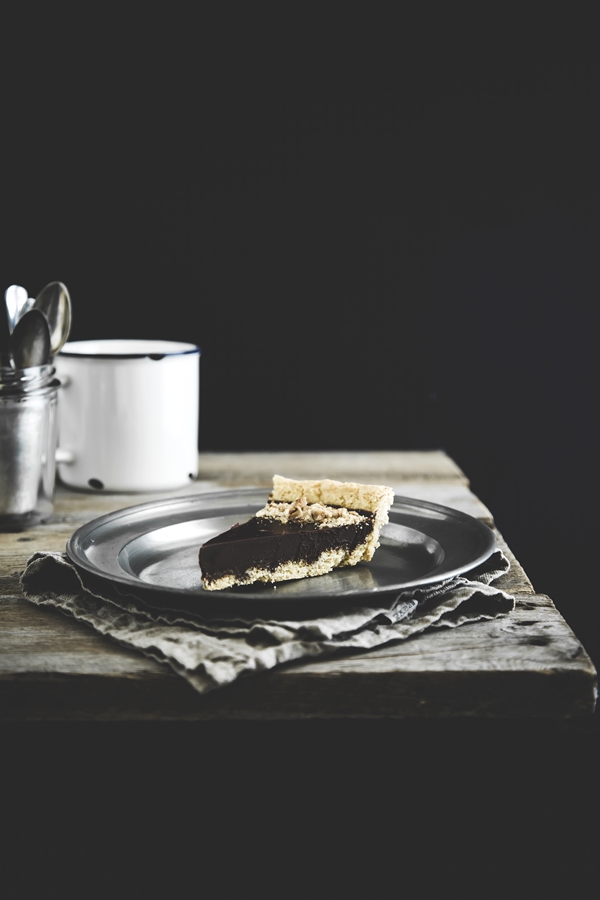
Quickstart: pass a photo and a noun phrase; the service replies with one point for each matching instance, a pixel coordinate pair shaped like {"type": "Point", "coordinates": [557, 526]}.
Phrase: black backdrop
{"type": "Point", "coordinates": [380, 239]}
{"type": "Point", "coordinates": [383, 233]}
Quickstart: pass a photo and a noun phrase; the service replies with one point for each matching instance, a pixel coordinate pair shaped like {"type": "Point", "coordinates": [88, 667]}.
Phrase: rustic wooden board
{"type": "Point", "coordinates": [381, 466]}
{"type": "Point", "coordinates": [527, 664]}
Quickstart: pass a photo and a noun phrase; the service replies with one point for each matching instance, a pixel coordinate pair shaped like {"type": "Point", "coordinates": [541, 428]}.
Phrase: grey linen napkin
{"type": "Point", "coordinates": [214, 651]}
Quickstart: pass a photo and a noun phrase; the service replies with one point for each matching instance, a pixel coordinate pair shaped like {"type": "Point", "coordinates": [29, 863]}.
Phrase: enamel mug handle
{"type": "Point", "coordinates": [65, 457]}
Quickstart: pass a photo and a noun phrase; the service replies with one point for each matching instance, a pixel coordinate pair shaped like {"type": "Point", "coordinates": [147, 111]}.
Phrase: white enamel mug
{"type": "Point", "coordinates": [128, 413]}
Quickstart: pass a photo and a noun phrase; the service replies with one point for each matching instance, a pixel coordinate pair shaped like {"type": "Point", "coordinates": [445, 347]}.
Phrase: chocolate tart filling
{"type": "Point", "coordinates": [267, 543]}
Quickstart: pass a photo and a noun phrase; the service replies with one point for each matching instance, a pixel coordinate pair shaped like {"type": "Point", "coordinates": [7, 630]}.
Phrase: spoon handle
{"type": "Point", "coordinates": [5, 359]}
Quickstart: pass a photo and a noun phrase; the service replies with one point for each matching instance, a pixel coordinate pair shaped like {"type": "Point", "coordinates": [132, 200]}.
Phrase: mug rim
{"type": "Point", "coordinates": [154, 349]}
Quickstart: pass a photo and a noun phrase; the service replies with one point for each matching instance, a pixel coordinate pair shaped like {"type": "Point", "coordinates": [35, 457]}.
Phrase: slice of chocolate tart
{"type": "Point", "coordinates": [307, 528]}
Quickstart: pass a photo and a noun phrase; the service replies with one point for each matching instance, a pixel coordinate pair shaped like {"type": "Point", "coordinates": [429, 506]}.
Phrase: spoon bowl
{"type": "Point", "coordinates": [54, 301]}
{"type": "Point", "coordinates": [17, 300]}
{"type": "Point", "coordinates": [30, 340]}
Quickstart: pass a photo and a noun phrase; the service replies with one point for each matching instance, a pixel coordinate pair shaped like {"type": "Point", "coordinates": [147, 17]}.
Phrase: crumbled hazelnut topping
{"type": "Point", "coordinates": [315, 513]}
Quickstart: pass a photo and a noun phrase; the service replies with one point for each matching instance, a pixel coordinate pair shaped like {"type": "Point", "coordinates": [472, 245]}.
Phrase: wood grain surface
{"type": "Point", "coordinates": [528, 664]}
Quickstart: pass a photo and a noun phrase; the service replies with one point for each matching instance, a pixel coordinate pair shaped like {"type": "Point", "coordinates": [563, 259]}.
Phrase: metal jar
{"type": "Point", "coordinates": [28, 436]}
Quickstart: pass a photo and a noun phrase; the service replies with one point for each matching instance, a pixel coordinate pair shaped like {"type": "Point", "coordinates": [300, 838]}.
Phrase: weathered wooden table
{"type": "Point", "coordinates": [529, 664]}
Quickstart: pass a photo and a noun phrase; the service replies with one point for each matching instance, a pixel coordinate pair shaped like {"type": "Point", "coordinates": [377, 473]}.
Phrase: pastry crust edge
{"type": "Point", "coordinates": [374, 498]}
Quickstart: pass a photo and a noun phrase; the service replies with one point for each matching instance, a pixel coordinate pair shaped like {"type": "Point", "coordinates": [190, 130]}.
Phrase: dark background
{"type": "Point", "coordinates": [382, 238]}
{"type": "Point", "coordinates": [383, 233]}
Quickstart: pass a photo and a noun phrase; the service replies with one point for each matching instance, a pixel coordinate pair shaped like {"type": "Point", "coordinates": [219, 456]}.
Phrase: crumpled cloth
{"type": "Point", "coordinates": [212, 651]}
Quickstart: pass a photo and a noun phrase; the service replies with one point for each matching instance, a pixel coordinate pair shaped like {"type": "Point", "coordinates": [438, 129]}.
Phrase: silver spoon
{"type": "Point", "coordinates": [54, 301]}
{"type": "Point", "coordinates": [5, 361]}
{"type": "Point", "coordinates": [16, 299]}
{"type": "Point", "coordinates": [30, 340]}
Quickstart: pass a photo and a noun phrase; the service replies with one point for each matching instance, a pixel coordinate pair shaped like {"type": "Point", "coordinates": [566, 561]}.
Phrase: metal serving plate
{"type": "Point", "coordinates": [154, 547]}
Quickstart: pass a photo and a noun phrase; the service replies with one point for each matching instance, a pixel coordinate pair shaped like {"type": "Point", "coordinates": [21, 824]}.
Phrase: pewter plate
{"type": "Point", "coordinates": [154, 548]}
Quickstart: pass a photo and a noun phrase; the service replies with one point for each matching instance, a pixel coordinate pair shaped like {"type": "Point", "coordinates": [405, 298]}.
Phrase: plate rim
{"type": "Point", "coordinates": [78, 558]}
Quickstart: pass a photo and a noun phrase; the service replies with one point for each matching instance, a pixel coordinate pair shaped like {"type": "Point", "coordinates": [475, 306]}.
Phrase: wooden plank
{"type": "Point", "coordinates": [45, 654]}
{"type": "Point", "coordinates": [529, 663]}
{"type": "Point", "coordinates": [383, 466]}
